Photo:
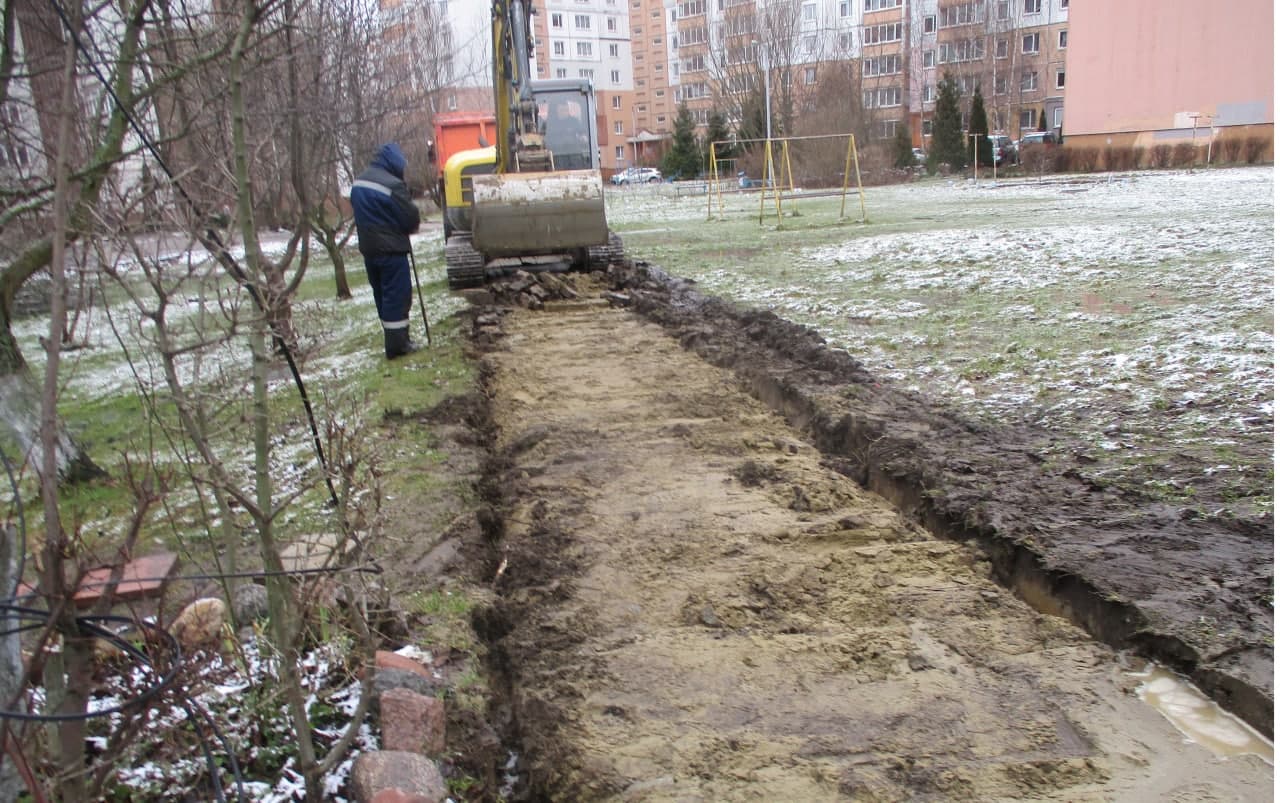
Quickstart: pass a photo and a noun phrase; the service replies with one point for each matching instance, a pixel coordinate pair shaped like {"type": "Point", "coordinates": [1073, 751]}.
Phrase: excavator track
{"type": "Point", "coordinates": [599, 257]}
{"type": "Point", "coordinates": [464, 265]}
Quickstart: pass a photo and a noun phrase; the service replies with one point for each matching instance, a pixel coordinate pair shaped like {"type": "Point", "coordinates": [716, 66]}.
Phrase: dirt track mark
{"type": "Point", "coordinates": [700, 609]}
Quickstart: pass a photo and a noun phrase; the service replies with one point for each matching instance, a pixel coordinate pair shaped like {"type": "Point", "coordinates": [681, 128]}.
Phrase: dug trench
{"type": "Point", "coordinates": [730, 564]}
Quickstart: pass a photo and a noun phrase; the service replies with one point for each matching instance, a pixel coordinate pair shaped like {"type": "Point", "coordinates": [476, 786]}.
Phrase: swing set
{"type": "Point", "coordinates": [779, 184]}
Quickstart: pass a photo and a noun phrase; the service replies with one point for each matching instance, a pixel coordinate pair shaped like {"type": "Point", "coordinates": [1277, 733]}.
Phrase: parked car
{"type": "Point", "coordinates": [1036, 138]}
{"type": "Point", "coordinates": [637, 175]}
{"type": "Point", "coordinates": [920, 156]}
{"type": "Point", "coordinates": [1002, 150]}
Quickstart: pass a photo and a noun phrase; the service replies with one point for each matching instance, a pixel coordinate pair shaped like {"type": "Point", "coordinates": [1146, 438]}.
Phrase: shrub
{"type": "Point", "coordinates": [1139, 157]}
{"type": "Point", "coordinates": [1119, 158]}
{"type": "Point", "coordinates": [1162, 156]}
{"type": "Point", "coordinates": [1061, 160]}
{"type": "Point", "coordinates": [1082, 160]}
{"type": "Point", "coordinates": [1255, 149]}
{"type": "Point", "coordinates": [1184, 154]}
{"type": "Point", "coordinates": [1229, 150]}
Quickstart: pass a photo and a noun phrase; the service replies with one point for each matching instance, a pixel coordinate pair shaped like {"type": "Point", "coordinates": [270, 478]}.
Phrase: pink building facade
{"type": "Point", "coordinates": [1147, 72]}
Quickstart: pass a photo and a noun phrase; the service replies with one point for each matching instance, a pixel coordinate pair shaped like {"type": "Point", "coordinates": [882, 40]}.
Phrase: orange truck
{"type": "Point", "coordinates": [458, 131]}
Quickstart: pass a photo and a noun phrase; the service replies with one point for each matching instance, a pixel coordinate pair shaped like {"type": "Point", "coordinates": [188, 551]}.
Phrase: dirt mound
{"type": "Point", "coordinates": [1191, 592]}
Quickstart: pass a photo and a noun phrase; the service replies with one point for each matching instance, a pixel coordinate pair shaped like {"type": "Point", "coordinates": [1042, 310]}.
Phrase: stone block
{"type": "Point", "coordinates": [412, 722]}
{"type": "Point", "coordinates": [409, 773]}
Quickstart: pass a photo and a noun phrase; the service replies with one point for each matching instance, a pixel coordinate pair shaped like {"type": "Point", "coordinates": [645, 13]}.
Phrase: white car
{"type": "Point", "coordinates": [637, 175]}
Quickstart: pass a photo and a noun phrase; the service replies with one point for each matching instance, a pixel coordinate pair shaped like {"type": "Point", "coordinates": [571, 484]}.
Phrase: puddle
{"type": "Point", "coordinates": [1198, 718]}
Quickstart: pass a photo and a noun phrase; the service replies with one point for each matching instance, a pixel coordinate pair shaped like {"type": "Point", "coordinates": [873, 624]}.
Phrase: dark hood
{"type": "Point", "coordinates": [390, 159]}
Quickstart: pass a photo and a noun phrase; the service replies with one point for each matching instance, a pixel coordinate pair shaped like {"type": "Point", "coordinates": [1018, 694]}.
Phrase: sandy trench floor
{"type": "Point", "coordinates": [703, 611]}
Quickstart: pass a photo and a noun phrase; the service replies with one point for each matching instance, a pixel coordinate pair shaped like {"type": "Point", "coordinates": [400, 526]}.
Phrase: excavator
{"type": "Point", "coordinates": [534, 200]}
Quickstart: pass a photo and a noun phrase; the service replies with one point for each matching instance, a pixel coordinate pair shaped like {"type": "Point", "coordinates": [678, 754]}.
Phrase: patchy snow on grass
{"type": "Point", "coordinates": [1136, 303]}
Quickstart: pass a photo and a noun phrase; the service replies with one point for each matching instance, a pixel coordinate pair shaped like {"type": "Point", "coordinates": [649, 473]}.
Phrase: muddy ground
{"type": "Point", "coordinates": [732, 565]}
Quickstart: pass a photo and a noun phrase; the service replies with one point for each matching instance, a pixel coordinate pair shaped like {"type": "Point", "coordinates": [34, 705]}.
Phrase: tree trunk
{"type": "Point", "coordinates": [11, 784]}
{"type": "Point", "coordinates": [328, 237]}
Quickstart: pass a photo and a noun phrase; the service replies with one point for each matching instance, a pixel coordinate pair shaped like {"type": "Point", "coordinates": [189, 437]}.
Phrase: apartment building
{"type": "Point", "coordinates": [1012, 51]}
{"type": "Point", "coordinates": [622, 47]}
{"type": "Point", "coordinates": [1172, 71]}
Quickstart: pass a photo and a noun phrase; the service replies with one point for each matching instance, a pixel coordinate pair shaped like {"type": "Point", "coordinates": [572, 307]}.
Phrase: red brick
{"type": "Point", "coordinates": [389, 660]}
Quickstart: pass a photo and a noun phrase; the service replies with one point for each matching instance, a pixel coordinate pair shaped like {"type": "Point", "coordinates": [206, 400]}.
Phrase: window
{"type": "Point", "coordinates": [557, 48]}
{"type": "Point", "coordinates": [1031, 43]}
{"type": "Point", "coordinates": [926, 128]}
{"type": "Point", "coordinates": [882, 98]}
{"type": "Point", "coordinates": [960, 50]}
{"type": "Point", "coordinates": [887, 129]}
{"type": "Point", "coordinates": [584, 49]}
{"type": "Point", "coordinates": [611, 23]}
{"type": "Point", "coordinates": [1060, 79]}
{"type": "Point", "coordinates": [613, 50]}
{"type": "Point", "coordinates": [809, 45]}
{"type": "Point", "coordinates": [810, 75]}
{"type": "Point", "coordinates": [1062, 40]}
{"type": "Point", "coordinates": [617, 127]}
{"type": "Point", "coordinates": [888, 64]}
{"type": "Point", "coordinates": [1057, 113]}
{"type": "Point", "coordinates": [927, 58]}
{"type": "Point", "coordinates": [809, 13]}
{"type": "Point", "coordinates": [1027, 119]}
{"type": "Point", "coordinates": [561, 72]}
{"type": "Point", "coordinates": [1002, 10]}
{"type": "Point", "coordinates": [846, 41]}
{"type": "Point", "coordinates": [1064, 4]}
{"type": "Point", "coordinates": [1001, 85]}
{"type": "Point", "coordinates": [557, 20]}
{"type": "Point", "coordinates": [875, 34]}
{"type": "Point", "coordinates": [1002, 48]}
{"type": "Point", "coordinates": [846, 8]}
{"type": "Point", "coordinates": [619, 153]}
{"type": "Point", "coordinates": [966, 14]}
{"type": "Point", "coordinates": [1030, 81]}
{"type": "Point", "coordinates": [662, 118]}
{"type": "Point", "coordinates": [615, 76]}
{"type": "Point", "coordinates": [588, 74]}
{"type": "Point", "coordinates": [930, 24]}
{"type": "Point", "coordinates": [1030, 6]}
{"type": "Point", "coordinates": [691, 36]}
{"type": "Point", "coordinates": [660, 93]}
{"type": "Point", "coordinates": [617, 102]}
{"type": "Point", "coordinates": [453, 103]}
{"type": "Point", "coordinates": [879, 5]}
{"type": "Point", "coordinates": [926, 93]}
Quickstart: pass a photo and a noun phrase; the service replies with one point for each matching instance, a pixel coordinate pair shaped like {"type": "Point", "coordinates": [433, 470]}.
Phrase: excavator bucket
{"type": "Point", "coordinates": [517, 214]}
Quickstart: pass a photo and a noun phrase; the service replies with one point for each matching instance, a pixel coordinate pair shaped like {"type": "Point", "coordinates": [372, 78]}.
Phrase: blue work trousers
{"type": "Point", "coordinates": [392, 291]}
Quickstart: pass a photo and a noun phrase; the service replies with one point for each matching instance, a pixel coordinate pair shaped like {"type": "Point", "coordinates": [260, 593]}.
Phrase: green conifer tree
{"type": "Point", "coordinates": [718, 131]}
{"type": "Point", "coordinates": [684, 159]}
{"type": "Point", "coordinates": [903, 156]}
{"type": "Point", "coordinates": [948, 138]}
{"type": "Point", "coordinates": [978, 125]}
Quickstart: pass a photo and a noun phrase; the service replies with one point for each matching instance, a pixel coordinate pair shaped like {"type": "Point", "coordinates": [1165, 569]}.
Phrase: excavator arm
{"type": "Point", "coordinates": [521, 148]}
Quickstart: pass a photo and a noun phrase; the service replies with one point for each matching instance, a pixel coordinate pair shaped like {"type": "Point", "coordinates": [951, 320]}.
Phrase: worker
{"type": "Point", "coordinates": [385, 217]}
{"type": "Point", "coordinates": [566, 135]}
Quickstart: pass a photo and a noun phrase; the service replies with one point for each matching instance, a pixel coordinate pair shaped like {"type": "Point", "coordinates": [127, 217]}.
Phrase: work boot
{"type": "Point", "coordinates": [396, 343]}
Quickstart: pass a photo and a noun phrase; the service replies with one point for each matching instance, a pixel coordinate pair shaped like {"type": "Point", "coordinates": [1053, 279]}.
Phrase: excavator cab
{"type": "Point", "coordinates": [567, 115]}
{"type": "Point", "coordinates": [545, 219]}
